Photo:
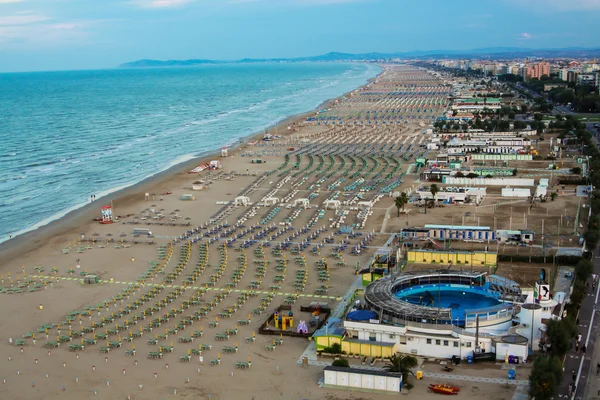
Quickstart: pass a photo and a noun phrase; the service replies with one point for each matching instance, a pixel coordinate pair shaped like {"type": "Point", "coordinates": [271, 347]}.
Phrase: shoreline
{"type": "Point", "coordinates": [28, 241]}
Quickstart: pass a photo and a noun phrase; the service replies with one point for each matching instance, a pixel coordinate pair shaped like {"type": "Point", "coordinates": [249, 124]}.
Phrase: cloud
{"type": "Point", "coordinates": [9, 1]}
{"type": "Point", "coordinates": [22, 19]}
{"type": "Point", "coordinates": [44, 35]}
{"type": "Point", "coordinates": [558, 5]}
{"type": "Point", "coordinates": [160, 3]}
{"type": "Point", "coordinates": [524, 36]}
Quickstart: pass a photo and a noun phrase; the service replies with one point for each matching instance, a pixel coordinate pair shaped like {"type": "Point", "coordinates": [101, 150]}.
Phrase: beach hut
{"type": "Point", "coordinates": [187, 197]}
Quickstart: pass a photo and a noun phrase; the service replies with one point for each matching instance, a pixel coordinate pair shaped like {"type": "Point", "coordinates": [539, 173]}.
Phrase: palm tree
{"type": "Point", "coordinates": [401, 364]}
{"type": "Point", "coordinates": [401, 201]}
{"type": "Point", "coordinates": [434, 189]}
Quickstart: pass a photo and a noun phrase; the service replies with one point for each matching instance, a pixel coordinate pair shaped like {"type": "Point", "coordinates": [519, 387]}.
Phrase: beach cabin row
{"type": "Point", "coordinates": [443, 232]}
{"type": "Point", "coordinates": [467, 233]}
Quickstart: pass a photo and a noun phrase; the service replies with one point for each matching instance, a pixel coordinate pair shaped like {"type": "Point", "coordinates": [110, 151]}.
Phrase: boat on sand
{"type": "Point", "coordinates": [443, 388]}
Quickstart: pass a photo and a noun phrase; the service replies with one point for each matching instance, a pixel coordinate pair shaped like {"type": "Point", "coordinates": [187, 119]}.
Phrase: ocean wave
{"type": "Point", "coordinates": [146, 142]}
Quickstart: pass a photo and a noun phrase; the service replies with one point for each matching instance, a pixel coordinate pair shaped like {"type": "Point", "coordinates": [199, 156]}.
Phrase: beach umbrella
{"type": "Point", "coordinates": [95, 234]}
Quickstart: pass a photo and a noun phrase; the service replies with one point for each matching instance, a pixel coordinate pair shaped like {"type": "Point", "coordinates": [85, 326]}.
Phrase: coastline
{"type": "Point", "coordinates": [70, 222]}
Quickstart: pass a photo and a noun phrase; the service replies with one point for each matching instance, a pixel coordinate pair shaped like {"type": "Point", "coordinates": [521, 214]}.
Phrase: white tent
{"type": "Point", "coordinates": [332, 204]}
{"type": "Point", "coordinates": [242, 201]}
{"type": "Point", "coordinates": [302, 203]}
{"type": "Point", "coordinates": [365, 204]}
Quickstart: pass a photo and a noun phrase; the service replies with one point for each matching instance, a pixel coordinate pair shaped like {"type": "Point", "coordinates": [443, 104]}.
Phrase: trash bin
{"type": "Point", "coordinates": [469, 359]}
{"type": "Point", "coordinates": [419, 375]}
{"type": "Point", "coordinates": [511, 374]}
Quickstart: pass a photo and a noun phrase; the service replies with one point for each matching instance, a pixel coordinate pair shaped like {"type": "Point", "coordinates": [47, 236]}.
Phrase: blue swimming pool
{"type": "Point", "coordinates": [456, 297]}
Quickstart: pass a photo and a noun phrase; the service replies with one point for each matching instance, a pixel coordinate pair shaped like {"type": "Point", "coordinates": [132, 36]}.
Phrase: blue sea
{"type": "Point", "coordinates": [67, 135]}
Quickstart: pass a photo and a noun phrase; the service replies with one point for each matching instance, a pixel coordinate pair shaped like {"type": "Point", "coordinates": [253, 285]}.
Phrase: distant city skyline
{"type": "Point", "coordinates": [87, 34]}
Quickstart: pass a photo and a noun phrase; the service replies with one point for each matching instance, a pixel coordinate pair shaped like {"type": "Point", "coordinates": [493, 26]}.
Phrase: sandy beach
{"type": "Point", "coordinates": [177, 315]}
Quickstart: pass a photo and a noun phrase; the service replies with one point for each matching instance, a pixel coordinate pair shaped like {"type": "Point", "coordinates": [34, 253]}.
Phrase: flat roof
{"type": "Point", "coordinates": [383, 344]}
{"type": "Point", "coordinates": [460, 227]}
{"type": "Point", "coordinates": [497, 307]}
{"type": "Point", "coordinates": [353, 370]}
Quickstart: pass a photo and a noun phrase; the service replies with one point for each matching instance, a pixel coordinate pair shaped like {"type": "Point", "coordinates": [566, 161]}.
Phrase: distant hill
{"type": "Point", "coordinates": [167, 63]}
{"type": "Point", "coordinates": [488, 53]}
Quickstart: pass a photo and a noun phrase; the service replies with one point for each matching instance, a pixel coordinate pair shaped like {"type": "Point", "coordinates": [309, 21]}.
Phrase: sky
{"type": "Point", "coordinates": [87, 34]}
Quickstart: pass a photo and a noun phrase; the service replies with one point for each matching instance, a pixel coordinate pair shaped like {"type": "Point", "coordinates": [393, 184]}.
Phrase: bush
{"type": "Point", "coordinates": [341, 363]}
{"type": "Point", "coordinates": [335, 348]}
{"type": "Point", "coordinates": [591, 238]}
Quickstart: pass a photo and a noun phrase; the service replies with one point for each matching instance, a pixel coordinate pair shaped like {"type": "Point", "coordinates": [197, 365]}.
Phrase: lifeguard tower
{"type": "Point", "coordinates": [224, 151]}
{"type": "Point", "coordinates": [107, 215]}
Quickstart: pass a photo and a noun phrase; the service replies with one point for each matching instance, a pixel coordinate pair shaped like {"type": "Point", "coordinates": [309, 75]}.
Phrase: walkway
{"type": "Point", "coordinates": [103, 281]}
{"type": "Point", "coordinates": [575, 363]}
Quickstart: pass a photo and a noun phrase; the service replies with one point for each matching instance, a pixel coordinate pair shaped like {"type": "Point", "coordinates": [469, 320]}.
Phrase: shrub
{"type": "Point", "coordinates": [341, 363]}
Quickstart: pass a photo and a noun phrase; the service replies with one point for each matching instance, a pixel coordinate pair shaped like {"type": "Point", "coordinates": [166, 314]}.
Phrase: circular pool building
{"type": "Point", "coordinates": [440, 299]}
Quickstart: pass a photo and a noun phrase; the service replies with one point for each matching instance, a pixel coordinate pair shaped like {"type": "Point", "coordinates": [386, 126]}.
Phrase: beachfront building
{"type": "Point", "coordinates": [440, 314]}
{"type": "Point", "coordinates": [467, 233]}
{"type": "Point", "coordinates": [362, 379]}
{"type": "Point", "coordinates": [452, 195]}
{"type": "Point", "coordinates": [476, 104]}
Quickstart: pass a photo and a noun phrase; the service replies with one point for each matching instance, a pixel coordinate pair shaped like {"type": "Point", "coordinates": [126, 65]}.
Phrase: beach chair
{"type": "Point", "coordinates": [76, 347]}
{"type": "Point", "coordinates": [104, 350]}
{"type": "Point", "coordinates": [205, 347]}
{"type": "Point", "coordinates": [154, 355]}
{"type": "Point", "coordinates": [20, 342]}
{"type": "Point", "coordinates": [130, 352]}
{"type": "Point", "coordinates": [215, 362]}
{"type": "Point", "coordinates": [185, 358]}
{"type": "Point", "coordinates": [270, 347]}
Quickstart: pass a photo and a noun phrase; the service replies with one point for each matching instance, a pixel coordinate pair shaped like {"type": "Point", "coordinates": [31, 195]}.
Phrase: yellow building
{"type": "Point", "coordinates": [368, 348]}
{"type": "Point", "coordinates": [445, 257]}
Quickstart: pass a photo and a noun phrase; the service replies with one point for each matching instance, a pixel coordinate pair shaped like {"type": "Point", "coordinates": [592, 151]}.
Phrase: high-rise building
{"type": "Point", "coordinates": [537, 70]}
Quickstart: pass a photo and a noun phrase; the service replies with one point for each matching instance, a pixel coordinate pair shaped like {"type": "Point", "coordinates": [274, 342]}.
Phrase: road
{"type": "Point", "coordinates": [576, 363]}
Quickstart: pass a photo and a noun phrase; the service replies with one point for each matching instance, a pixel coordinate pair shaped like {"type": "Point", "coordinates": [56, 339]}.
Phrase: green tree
{"type": "Point", "coordinates": [576, 170]}
{"type": "Point", "coordinates": [591, 237]}
{"type": "Point", "coordinates": [401, 364]}
{"type": "Point", "coordinates": [545, 375]}
{"type": "Point", "coordinates": [434, 189]}
{"type": "Point", "coordinates": [584, 269]}
{"type": "Point", "coordinates": [559, 334]}
{"type": "Point", "coordinates": [504, 125]}
{"type": "Point", "coordinates": [401, 201]}
{"type": "Point", "coordinates": [520, 125]}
